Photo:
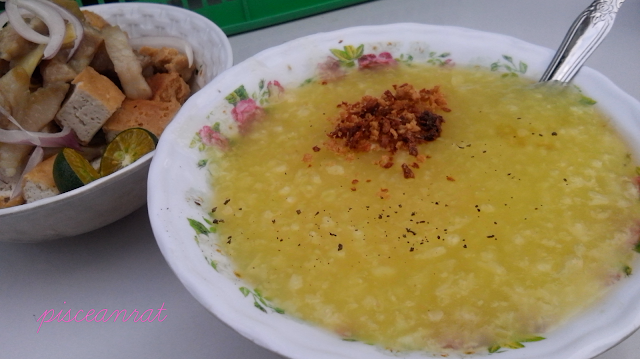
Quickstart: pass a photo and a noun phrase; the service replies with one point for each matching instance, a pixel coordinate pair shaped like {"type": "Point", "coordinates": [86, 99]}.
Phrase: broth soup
{"type": "Point", "coordinates": [523, 211]}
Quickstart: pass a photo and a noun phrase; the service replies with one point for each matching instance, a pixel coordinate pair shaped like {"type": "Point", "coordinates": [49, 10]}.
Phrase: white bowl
{"type": "Point", "coordinates": [177, 187]}
{"type": "Point", "coordinates": [113, 197]}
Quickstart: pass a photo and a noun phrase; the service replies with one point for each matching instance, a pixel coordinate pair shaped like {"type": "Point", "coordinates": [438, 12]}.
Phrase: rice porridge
{"type": "Point", "coordinates": [521, 213]}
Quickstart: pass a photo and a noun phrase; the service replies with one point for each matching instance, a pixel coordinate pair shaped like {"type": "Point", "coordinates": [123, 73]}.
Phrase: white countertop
{"type": "Point", "coordinates": [121, 267]}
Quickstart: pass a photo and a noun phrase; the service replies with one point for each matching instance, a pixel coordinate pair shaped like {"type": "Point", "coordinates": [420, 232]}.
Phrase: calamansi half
{"type": "Point", "coordinates": [128, 146]}
{"type": "Point", "coordinates": [71, 170]}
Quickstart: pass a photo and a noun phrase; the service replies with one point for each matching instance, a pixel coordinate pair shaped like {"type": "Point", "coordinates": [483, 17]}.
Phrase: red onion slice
{"type": "Point", "coordinates": [164, 41]}
{"type": "Point", "coordinates": [64, 138]}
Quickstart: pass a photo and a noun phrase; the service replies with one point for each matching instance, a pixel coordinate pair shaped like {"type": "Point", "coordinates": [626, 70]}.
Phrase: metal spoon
{"type": "Point", "coordinates": [586, 33]}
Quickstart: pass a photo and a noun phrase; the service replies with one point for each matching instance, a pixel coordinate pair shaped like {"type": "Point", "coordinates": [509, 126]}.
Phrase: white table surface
{"type": "Point", "coordinates": [120, 266]}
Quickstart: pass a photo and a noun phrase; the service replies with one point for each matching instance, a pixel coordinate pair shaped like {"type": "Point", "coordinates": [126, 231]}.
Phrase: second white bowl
{"type": "Point", "coordinates": [110, 198]}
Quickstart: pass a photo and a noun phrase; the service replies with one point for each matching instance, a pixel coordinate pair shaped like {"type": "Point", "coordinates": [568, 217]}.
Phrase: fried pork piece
{"type": "Point", "coordinates": [83, 56]}
{"type": "Point", "coordinates": [94, 19]}
{"type": "Point", "coordinates": [56, 70]}
{"type": "Point", "coordinates": [93, 100]}
{"type": "Point", "coordinates": [101, 61]}
{"type": "Point", "coordinates": [13, 46]}
{"type": "Point", "coordinates": [14, 92]}
{"type": "Point", "coordinates": [31, 110]}
{"type": "Point", "coordinates": [12, 160]}
{"type": "Point", "coordinates": [165, 59]}
{"type": "Point", "coordinates": [42, 106]}
{"type": "Point", "coordinates": [71, 6]}
{"type": "Point", "coordinates": [125, 63]}
{"type": "Point", "coordinates": [59, 69]}
{"type": "Point", "coordinates": [37, 111]}
{"type": "Point", "coordinates": [103, 64]}
{"type": "Point", "coordinates": [169, 93]}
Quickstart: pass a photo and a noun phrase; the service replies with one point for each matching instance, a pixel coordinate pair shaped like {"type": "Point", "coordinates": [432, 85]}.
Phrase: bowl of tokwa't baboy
{"type": "Point", "coordinates": [165, 54]}
{"type": "Point", "coordinates": [405, 191]}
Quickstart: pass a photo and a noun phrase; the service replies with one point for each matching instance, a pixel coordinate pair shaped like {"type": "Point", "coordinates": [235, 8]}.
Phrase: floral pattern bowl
{"type": "Point", "coordinates": [110, 198]}
{"type": "Point", "coordinates": [179, 187]}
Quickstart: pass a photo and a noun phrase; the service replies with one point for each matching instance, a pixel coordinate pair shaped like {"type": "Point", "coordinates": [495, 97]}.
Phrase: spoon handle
{"type": "Point", "coordinates": [586, 33]}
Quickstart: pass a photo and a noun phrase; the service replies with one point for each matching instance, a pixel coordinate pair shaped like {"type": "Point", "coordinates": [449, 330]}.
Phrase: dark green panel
{"type": "Point", "coordinates": [235, 16]}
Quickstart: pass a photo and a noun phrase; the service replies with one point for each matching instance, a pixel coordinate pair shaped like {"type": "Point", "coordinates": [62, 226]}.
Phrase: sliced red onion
{"type": "Point", "coordinates": [14, 15]}
{"type": "Point", "coordinates": [34, 159]}
{"type": "Point", "coordinates": [77, 25]}
{"type": "Point", "coordinates": [164, 41]}
{"type": "Point", "coordinates": [64, 138]}
{"type": "Point", "coordinates": [7, 114]}
{"type": "Point", "coordinates": [51, 18]}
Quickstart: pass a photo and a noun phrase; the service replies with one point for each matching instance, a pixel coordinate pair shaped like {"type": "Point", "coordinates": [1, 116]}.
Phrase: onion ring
{"type": "Point", "coordinates": [74, 21]}
{"type": "Point", "coordinates": [21, 27]}
{"type": "Point", "coordinates": [4, 18]}
{"type": "Point", "coordinates": [53, 20]}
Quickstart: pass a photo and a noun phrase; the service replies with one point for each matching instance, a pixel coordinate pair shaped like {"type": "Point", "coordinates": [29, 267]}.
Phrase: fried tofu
{"type": "Point", "coordinates": [166, 59]}
{"type": "Point", "coordinates": [169, 93]}
{"type": "Point", "coordinates": [92, 101]}
{"type": "Point", "coordinates": [153, 116]}
{"type": "Point", "coordinates": [169, 87]}
{"type": "Point", "coordinates": [38, 183]}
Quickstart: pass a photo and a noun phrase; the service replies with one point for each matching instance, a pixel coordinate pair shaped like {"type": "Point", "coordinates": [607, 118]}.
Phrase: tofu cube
{"type": "Point", "coordinates": [92, 101]}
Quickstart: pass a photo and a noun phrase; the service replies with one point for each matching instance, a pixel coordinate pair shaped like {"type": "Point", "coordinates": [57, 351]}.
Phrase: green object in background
{"type": "Point", "coordinates": [235, 16]}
